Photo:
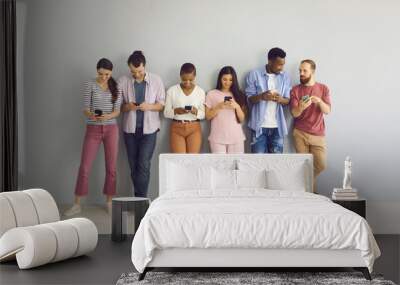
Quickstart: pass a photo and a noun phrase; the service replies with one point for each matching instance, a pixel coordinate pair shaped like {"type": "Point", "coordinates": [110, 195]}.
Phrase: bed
{"type": "Point", "coordinates": [247, 211]}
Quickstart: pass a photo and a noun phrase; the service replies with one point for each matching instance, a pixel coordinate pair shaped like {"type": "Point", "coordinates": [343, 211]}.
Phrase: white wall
{"type": "Point", "coordinates": [354, 43]}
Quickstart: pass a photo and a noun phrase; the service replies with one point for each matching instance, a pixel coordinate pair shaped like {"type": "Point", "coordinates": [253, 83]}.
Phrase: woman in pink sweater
{"type": "Point", "coordinates": [226, 109]}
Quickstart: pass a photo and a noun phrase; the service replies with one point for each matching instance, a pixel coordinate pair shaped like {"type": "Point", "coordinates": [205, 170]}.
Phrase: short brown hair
{"type": "Point", "coordinates": [310, 62]}
{"type": "Point", "coordinates": [188, 68]}
{"type": "Point", "coordinates": [137, 58]}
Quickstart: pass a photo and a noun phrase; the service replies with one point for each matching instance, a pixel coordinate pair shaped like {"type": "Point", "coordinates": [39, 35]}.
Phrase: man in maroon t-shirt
{"type": "Point", "coordinates": [309, 102]}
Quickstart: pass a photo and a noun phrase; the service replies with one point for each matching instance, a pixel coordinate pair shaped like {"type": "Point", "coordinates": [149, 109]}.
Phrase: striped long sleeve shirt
{"type": "Point", "coordinates": [96, 98]}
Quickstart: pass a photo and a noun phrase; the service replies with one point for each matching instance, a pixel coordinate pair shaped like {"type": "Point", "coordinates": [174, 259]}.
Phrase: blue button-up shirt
{"type": "Point", "coordinates": [257, 83]}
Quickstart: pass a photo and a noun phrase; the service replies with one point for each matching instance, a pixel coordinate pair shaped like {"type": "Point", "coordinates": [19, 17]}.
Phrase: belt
{"type": "Point", "coordinates": [185, 121]}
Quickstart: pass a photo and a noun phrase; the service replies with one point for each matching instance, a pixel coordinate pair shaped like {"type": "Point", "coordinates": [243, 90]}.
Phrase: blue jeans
{"type": "Point", "coordinates": [268, 142]}
{"type": "Point", "coordinates": [140, 148]}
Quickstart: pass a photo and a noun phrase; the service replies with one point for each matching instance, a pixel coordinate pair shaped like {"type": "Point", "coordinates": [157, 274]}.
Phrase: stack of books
{"type": "Point", "coordinates": [344, 194]}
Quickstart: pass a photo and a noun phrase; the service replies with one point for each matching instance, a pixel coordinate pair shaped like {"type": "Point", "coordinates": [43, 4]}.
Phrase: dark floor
{"type": "Point", "coordinates": [110, 260]}
{"type": "Point", "coordinates": [103, 266]}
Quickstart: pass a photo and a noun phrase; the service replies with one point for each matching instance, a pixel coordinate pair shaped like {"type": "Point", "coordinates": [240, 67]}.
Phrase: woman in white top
{"type": "Point", "coordinates": [185, 106]}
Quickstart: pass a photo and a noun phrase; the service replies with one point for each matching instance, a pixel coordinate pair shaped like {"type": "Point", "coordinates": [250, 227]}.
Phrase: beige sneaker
{"type": "Point", "coordinates": [75, 209]}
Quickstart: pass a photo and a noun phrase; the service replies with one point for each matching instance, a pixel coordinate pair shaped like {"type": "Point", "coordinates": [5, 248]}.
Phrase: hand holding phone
{"type": "Point", "coordinates": [194, 111]}
{"type": "Point", "coordinates": [188, 108]}
{"type": "Point", "coordinates": [180, 111]}
{"type": "Point", "coordinates": [305, 98]}
{"type": "Point", "coordinates": [227, 98]}
{"type": "Point", "coordinates": [268, 96]}
{"type": "Point", "coordinates": [315, 99]}
{"type": "Point", "coordinates": [305, 102]}
{"type": "Point", "coordinates": [98, 112]}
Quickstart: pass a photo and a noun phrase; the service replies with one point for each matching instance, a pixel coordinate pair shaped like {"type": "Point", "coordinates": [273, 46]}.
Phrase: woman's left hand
{"type": "Point", "coordinates": [231, 104]}
{"type": "Point", "coordinates": [194, 110]}
{"type": "Point", "coordinates": [104, 117]}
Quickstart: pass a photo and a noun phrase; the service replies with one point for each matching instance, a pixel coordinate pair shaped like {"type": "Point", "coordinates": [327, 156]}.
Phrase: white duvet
{"type": "Point", "coordinates": [252, 218]}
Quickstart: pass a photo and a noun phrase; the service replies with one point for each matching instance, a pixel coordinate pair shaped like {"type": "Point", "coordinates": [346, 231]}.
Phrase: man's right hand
{"type": "Point", "coordinates": [180, 111]}
{"type": "Point", "coordinates": [129, 107]}
{"type": "Point", "coordinates": [268, 96]}
{"type": "Point", "coordinates": [304, 104]}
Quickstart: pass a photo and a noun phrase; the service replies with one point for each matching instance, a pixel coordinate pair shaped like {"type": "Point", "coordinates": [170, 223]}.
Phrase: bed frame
{"type": "Point", "coordinates": [246, 259]}
{"type": "Point", "coordinates": [249, 259]}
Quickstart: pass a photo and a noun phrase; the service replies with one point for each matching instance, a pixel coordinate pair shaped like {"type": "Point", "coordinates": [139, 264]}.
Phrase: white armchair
{"type": "Point", "coordinates": [31, 230]}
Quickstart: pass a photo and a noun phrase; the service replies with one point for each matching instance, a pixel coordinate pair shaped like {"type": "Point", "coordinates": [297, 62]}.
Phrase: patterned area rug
{"type": "Point", "coordinates": [243, 278]}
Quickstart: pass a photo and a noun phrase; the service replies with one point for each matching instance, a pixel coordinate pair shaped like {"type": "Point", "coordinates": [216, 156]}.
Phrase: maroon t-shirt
{"type": "Point", "coordinates": [312, 119]}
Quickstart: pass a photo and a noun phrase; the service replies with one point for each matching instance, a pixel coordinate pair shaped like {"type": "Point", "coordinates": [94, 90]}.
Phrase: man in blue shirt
{"type": "Point", "coordinates": [268, 91]}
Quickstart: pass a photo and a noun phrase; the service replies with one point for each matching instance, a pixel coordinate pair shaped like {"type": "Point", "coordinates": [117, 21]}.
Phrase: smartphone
{"type": "Point", "coordinates": [98, 112]}
{"type": "Point", "coordinates": [136, 104]}
{"type": "Point", "coordinates": [188, 108]}
{"type": "Point", "coordinates": [305, 98]}
{"type": "Point", "coordinates": [227, 98]}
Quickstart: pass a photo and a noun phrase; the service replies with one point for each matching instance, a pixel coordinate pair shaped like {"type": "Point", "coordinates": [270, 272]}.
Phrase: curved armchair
{"type": "Point", "coordinates": [31, 230]}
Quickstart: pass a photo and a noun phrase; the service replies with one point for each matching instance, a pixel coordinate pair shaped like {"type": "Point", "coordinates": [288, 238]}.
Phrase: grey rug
{"type": "Point", "coordinates": [243, 278]}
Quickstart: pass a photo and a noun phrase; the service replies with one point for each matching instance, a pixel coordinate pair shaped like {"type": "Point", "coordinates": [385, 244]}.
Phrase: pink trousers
{"type": "Point", "coordinates": [227, 148]}
{"type": "Point", "coordinates": [95, 135]}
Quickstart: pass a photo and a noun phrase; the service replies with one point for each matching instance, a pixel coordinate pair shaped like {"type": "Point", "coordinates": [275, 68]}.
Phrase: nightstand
{"type": "Point", "coordinates": [138, 205]}
{"type": "Point", "coordinates": [358, 206]}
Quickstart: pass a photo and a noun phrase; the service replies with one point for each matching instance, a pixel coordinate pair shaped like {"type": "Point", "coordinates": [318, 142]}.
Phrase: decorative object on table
{"type": "Point", "coordinates": [138, 205]}
{"type": "Point", "coordinates": [31, 231]}
{"type": "Point", "coordinates": [347, 192]}
{"type": "Point", "coordinates": [347, 174]}
{"type": "Point", "coordinates": [248, 278]}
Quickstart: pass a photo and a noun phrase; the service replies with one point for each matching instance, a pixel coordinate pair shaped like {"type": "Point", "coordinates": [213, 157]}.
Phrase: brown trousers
{"type": "Point", "coordinates": [316, 145]}
{"type": "Point", "coordinates": [185, 137]}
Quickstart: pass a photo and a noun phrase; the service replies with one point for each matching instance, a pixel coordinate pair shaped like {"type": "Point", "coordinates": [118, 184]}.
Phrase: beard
{"type": "Point", "coordinates": [305, 80]}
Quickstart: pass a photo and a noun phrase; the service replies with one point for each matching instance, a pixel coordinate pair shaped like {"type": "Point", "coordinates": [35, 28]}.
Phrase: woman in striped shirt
{"type": "Point", "coordinates": [102, 101]}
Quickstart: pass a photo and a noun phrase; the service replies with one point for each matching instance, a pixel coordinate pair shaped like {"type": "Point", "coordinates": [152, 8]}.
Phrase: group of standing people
{"type": "Point", "coordinates": [140, 97]}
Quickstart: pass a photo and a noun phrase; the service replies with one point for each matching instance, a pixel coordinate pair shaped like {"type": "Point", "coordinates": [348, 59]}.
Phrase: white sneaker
{"type": "Point", "coordinates": [75, 209]}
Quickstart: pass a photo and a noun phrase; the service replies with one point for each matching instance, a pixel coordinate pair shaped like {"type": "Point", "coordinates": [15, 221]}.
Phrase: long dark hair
{"type": "Point", "coordinates": [235, 89]}
{"type": "Point", "coordinates": [112, 84]}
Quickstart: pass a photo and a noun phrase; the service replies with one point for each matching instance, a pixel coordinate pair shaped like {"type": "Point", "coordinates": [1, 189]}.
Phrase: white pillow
{"type": "Point", "coordinates": [251, 178]}
{"type": "Point", "coordinates": [291, 178]}
{"type": "Point", "coordinates": [183, 177]}
{"type": "Point", "coordinates": [223, 179]}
